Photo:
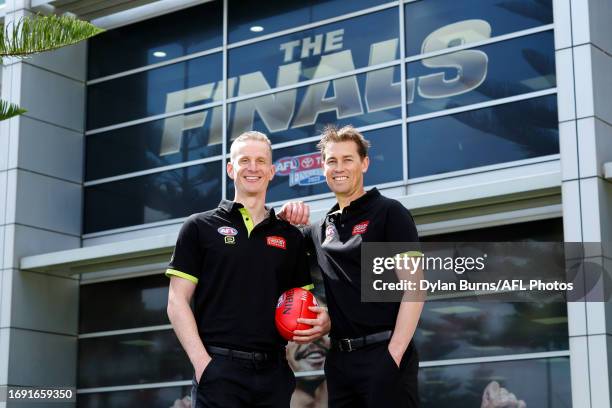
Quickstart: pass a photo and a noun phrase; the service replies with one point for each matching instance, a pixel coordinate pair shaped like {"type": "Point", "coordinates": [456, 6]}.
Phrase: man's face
{"type": "Point", "coordinates": [308, 357]}
{"type": "Point", "coordinates": [344, 168]}
{"type": "Point", "coordinates": [251, 167]}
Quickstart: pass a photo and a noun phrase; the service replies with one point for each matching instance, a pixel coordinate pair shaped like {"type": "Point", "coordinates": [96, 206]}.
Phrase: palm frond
{"type": "Point", "coordinates": [30, 35]}
{"type": "Point", "coordinates": [8, 110]}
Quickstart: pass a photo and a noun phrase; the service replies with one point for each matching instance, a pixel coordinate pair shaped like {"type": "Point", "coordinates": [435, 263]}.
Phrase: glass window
{"type": "Point", "coordinates": [299, 172]}
{"type": "Point", "coordinates": [543, 230]}
{"type": "Point", "coordinates": [495, 71]}
{"type": "Point", "coordinates": [150, 398]}
{"type": "Point", "coordinates": [251, 18]}
{"type": "Point", "coordinates": [154, 197]}
{"type": "Point", "coordinates": [145, 297]}
{"type": "Point", "coordinates": [135, 358]}
{"type": "Point", "coordinates": [498, 134]}
{"type": "Point", "coordinates": [360, 100]}
{"type": "Point", "coordinates": [432, 25]}
{"type": "Point", "coordinates": [449, 330]}
{"type": "Point", "coordinates": [315, 53]}
{"type": "Point", "coordinates": [172, 140]}
{"type": "Point", "coordinates": [177, 34]}
{"type": "Point", "coordinates": [161, 90]}
{"type": "Point", "coordinates": [538, 383]}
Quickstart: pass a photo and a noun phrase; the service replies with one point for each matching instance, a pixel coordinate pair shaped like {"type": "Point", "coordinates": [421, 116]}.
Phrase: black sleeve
{"type": "Point", "coordinates": [400, 226]}
{"type": "Point", "coordinates": [306, 231]}
{"type": "Point", "coordinates": [301, 272]}
{"type": "Point", "coordinates": [187, 258]}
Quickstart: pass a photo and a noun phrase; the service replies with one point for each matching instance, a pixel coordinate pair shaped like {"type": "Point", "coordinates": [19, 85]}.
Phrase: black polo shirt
{"type": "Point", "coordinates": [337, 241]}
{"type": "Point", "coordinates": [239, 271]}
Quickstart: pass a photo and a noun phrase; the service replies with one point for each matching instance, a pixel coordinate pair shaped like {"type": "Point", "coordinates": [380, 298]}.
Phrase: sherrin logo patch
{"type": "Point", "coordinates": [360, 228]}
{"type": "Point", "coordinates": [227, 231]}
{"type": "Point", "coordinates": [278, 242]}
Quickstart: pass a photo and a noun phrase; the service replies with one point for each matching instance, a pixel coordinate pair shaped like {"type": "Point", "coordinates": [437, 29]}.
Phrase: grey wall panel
{"type": "Point", "coordinates": [3, 181]}
{"type": "Point", "coordinates": [602, 84]}
{"type": "Point", "coordinates": [45, 302]}
{"type": "Point", "coordinates": [55, 356]}
{"type": "Point", "coordinates": [62, 101]}
{"type": "Point", "coordinates": [21, 240]}
{"type": "Point", "coordinates": [69, 61]}
{"type": "Point", "coordinates": [49, 203]}
{"type": "Point", "coordinates": [600, 15]}
{"type": "Point", "coordinates": [51, 150]}
{"type": "Point", "coordinates": [4, 349]}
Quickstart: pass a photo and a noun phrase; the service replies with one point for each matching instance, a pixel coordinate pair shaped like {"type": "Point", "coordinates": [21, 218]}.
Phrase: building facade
{"type": "Point", "coordinates": [490, 120]}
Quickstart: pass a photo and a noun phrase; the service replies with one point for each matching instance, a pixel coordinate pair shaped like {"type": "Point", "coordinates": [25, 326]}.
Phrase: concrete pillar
{"type": "Point", "coordinates": [41, 174]}
{"type": "Point", "coordinates": [583, 42]}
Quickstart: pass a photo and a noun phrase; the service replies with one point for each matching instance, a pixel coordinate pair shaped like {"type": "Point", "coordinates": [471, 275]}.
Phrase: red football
{"type": "Point", "coordinates": [291, 305]}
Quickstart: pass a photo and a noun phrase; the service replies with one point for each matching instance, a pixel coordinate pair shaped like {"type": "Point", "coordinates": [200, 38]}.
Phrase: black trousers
{"type": "Point", "coordinates": [229, 383]}
{"type": "Point", "coordinates": [369, 377]}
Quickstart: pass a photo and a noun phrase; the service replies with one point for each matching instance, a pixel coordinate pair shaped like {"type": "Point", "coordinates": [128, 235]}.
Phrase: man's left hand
{"type": "Point", "coordinates": [320, 326]}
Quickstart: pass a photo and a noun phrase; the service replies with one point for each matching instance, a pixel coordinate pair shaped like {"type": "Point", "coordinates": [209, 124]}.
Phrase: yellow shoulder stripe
{"type": "Point", "coordinates": [174, 272]}
{"type": "Point", "coordinates": [412, 253]}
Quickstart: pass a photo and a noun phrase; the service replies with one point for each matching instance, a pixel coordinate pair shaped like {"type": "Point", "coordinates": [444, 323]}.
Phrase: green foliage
{"type": "Point", "coordinates": [8, 110]}
{"type": "Point", "coordinates": [31, 35]}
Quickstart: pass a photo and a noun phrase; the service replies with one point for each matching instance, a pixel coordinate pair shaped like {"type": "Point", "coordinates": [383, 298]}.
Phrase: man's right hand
{"type": "Point", "coordinates": [199, 369]}
{"type": "Point", "coordinates": [295, 212]}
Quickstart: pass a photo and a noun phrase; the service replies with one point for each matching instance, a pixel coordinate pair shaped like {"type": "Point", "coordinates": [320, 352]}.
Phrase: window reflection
{"type": "Point", "coordinates": [177, 34]}
{"type": "Point", "coordinates": [449, 330]}
{"type": "Point", "coordinates": [449, 23]}
{"type": "Point", "coordinates": [145, 297]}
{"type": "Point", "coordinates": [359, 100]}
{"type": "Point", "coordinates": [155, 197]}
{"type": "Point", "coordinates": [270, 17]}
{"type": "Point", "coordinates": [315, 53]}
{"type": "Point", "coordinates": [168, 397]}
{"type": "Point", "coordinates": [161, 90]}
{"type": "Point", "coordinates": [137, 358]}
{"type": "Point", "coordinates": [481, 74]}
{"type": "Point", "coordinates": [482, 137]}
{"type": "Point", "coordinates": [538, 383]}
{"type": "Point", "coordinates": [163, 142]}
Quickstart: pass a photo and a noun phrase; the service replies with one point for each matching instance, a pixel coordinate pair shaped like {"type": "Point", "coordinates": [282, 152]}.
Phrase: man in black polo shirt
{"type": "Point", "coordinates": [373, 361]}
{"type": "Point", "coordinates": [235, 261]}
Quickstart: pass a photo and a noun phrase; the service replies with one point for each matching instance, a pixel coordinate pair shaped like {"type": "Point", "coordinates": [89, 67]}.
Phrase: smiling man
{"type": "Point", "coordinates": [234, 262]}
{"type": "Point", "coordinates": [373, 361]}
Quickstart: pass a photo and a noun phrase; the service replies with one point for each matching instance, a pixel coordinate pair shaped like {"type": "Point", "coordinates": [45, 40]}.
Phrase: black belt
{"type": "Point", "coordinates": [359, 342]}
{"type": "Point", "coordinates": [247, 355]}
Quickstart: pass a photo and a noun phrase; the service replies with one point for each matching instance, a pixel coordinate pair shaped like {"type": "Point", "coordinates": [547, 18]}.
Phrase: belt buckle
{"type": "Point", "coordinates": [349, 344]}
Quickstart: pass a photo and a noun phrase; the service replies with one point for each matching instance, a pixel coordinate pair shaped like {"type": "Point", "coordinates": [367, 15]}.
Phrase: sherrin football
{"type": "Point", "coordinates": [291, 305]}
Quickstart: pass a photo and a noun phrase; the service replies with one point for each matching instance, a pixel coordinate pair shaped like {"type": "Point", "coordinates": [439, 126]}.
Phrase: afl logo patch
{"type": "Point", "coordinates": [330, 231]}
{"type": "Point", "coordinates": [227, 231]}
{"type": "Point", "coordinates": [278, 242]}
{"type": "Point", "coordinates": [360, 228]}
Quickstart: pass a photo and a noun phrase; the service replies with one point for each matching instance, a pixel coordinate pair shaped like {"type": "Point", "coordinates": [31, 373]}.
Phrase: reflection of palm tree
{"type": "Point", "coordinates": [538, 10]}
{"type": "Point", "coordinates": [536, 135]}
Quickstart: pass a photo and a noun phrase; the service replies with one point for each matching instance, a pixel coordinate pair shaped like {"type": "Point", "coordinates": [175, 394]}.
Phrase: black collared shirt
{"type": "Point", "coordinates": [337, 241]}
{"type": "Point", "coordinates": [239, 272]}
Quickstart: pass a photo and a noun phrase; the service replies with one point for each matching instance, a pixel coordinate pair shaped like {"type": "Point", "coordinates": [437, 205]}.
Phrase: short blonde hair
{"type": "Point", "coordinates": [250, 135]}
{"type": "Point", "coordinates": [331, 134]}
